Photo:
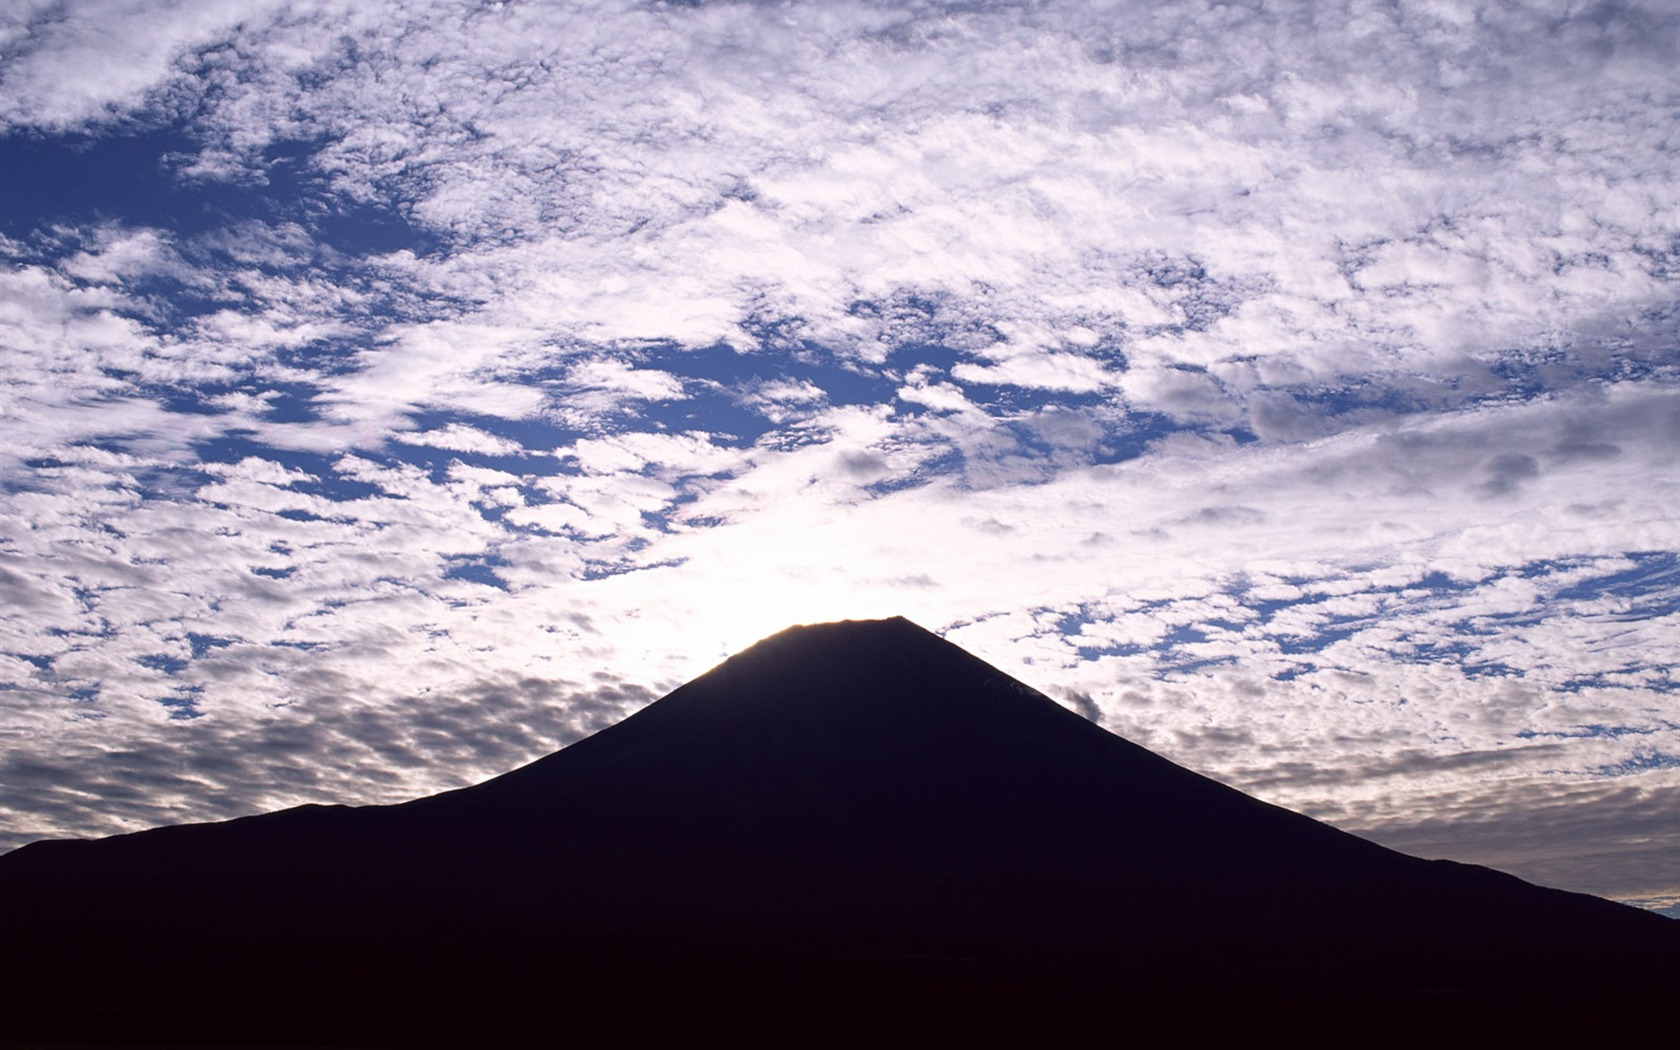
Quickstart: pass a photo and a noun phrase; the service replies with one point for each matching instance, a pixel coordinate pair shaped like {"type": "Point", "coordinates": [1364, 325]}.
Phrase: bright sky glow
{"type": "Point", "coordinates": [391, 394]}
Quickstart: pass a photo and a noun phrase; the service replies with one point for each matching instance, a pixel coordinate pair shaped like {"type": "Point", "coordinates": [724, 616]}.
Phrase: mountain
{"type": "Point", "coordinates": [842, 817]}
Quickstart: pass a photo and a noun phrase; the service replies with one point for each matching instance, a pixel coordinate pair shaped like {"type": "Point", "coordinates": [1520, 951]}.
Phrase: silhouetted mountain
{"type": "Point", "coordinates": [857, 816]}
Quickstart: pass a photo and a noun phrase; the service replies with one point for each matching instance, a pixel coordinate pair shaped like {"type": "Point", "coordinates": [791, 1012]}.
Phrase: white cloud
{"type": "Point", "coordinates": [457, 437]}
{"type": "Point", "coordinates": [94, 61]}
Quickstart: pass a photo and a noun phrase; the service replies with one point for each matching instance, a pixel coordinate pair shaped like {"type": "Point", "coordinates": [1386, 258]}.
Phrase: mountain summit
{"type": "Point", "coordinates": [854, 812]}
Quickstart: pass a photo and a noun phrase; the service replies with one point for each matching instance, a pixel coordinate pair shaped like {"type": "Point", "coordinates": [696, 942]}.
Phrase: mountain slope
{"type": "Point", "coordinates": [840, 809]}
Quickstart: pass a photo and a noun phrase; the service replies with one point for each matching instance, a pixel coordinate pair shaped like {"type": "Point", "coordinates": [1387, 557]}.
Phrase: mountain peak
{"type": "Point", "coordinates": [902, 624]}
{"type": "Point", "coordinates": [854, 693]}
{"type": "Point", "coordinates": [847, 808]}
{"type": "Point", "coordinates": [846, 648]}
{"type": "Point", "coordinates": [855, 663]}
{"type": "Point", "coordinates": [816, 715]}
{"type": "Point", "coordinates": [846, 639]}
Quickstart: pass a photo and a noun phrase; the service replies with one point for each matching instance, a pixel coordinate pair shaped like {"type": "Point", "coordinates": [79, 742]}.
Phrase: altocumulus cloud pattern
{"type": "Point", "coordinates": [393, 393]}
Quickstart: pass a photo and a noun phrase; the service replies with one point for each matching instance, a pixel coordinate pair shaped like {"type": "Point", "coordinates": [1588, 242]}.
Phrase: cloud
{"type": "Point", "coordinates": [1507, 471]}
{"type": "Point", "coordinates": [137, 49]}
{"type": "Point", "coordinates": [457, 437]}
{"type": "Point", "coordinates": [1304, 405]}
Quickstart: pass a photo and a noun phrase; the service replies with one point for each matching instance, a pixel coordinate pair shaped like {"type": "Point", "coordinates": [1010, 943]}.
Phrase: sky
{"type": "Point", "coordinates": [393, 393]}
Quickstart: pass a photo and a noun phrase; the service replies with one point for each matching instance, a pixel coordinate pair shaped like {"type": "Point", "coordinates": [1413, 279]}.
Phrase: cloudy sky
{"type": "Point", "coordinates": [392, 393]}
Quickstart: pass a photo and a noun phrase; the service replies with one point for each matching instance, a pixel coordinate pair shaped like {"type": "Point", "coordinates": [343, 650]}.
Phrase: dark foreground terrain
{"type": "Point", "coordinates": [849, 827]}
